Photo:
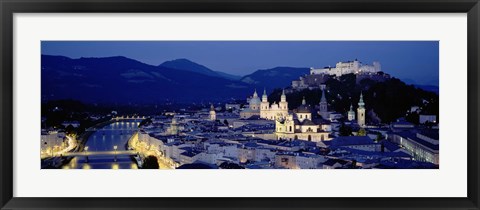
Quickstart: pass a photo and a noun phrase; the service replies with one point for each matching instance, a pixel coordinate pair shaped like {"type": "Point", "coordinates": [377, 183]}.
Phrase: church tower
{"type": "Point", "coordinates": [283, 101]}
{"type": "Point", "coordinates": [173, 129]}
{"type": "Point", "coordinates": [213, 115]}
{"type": "Point", "coordinates": [323, 106]}
{"type": "Point", "coordinates": [351, 114]}
{"type": "Point", "coordinates": [361, 111]}
{"type": "Point", "coordinates": [264, 105]}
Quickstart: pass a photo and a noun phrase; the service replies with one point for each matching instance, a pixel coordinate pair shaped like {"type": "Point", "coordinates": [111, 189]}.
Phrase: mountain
{"type": "Point", "coordinates": [187, 65]}
{"type": "Point", "coordinates": [124, 80]}
{"type": "Point", "coordinates": [283, 77]}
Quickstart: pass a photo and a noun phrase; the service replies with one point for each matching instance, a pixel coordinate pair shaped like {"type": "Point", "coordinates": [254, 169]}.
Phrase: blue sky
{"type": "Point", "coordinates": [412, 61]}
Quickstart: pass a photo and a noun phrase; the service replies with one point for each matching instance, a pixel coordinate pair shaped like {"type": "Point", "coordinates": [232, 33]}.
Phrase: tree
{"type": "Point", "coordinates": [413, 118]}
{"type": "Point", "coordinates": [145, 122]}
{"type": "Point", "coordinates": [150, 162]}
{"type": "Point", "coordinates": [69, 130]}
{"type": "Point", "coordinates": [225, 122]}
{"type": "Point", "coordinates": [345, 130]}
{"type": "Point", "coordinates": [362, 132]}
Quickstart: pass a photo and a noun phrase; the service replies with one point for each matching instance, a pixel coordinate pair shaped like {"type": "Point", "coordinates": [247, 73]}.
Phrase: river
{"type": "Point", "coordinates": [105, 139]}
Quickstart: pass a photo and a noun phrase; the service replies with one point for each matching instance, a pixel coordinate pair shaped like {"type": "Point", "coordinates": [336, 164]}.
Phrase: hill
{"type": "Point", "coordinates": [278, 77]}
{"type": "Point", "coordinates": [386, 101]}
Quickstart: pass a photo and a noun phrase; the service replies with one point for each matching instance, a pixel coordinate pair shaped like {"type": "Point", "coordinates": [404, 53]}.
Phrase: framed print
{"type": "Point", "coordinates": [239, 105]}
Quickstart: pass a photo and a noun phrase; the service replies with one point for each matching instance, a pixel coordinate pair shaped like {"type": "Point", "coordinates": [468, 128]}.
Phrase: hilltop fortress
{"type": "Point", "coordinates": [318, 77]}
{"type": "Point", "coordinates": [349, 67]}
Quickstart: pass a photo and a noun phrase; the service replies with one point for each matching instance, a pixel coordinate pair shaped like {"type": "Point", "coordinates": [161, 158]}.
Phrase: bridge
{"type": "Point", "coordinates": [112, 129]}
{"type": "Point", "coordinates": [100, 153]}
{"type": "Point", "coordinates": [129, 118]}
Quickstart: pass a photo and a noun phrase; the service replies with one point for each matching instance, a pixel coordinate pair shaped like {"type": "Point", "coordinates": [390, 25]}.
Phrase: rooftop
{"type": "Point", "coordinates": [350, 140]}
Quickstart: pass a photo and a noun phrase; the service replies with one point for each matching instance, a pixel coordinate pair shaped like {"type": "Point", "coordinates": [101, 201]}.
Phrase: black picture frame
{"type": "Point", "coordinates": [10, 7]}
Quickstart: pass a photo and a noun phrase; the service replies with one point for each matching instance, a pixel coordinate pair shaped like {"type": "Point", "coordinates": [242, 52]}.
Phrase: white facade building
{"type": "Point", "coordinates": [349, 67]}
{"type": "Point", "coordinates": [273, 111]}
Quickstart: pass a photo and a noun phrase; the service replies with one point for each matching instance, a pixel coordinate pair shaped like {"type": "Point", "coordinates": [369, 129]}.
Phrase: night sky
{"type": "Point", "coordinates": [415, 62]}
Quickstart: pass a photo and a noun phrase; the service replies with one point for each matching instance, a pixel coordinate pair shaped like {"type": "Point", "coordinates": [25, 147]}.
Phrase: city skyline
{"type": "Point", "coordinates": [113, 111]}
{"type": "Point", "coordinates": [415, 62]}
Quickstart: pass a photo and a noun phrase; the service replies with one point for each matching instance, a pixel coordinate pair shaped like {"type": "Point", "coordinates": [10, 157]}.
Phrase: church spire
{"type": "Point", "coordinates": [264, 96]}
{"type": "Point", "coordinates": [360, 102]}
{"type": "Point", "coordinates": [283, 98]}
{"type": "Point", "coordinates": [303, 101]}
{"type": "Point", "coordinates": [323, 99]}
{"type": "Point", "coordinates": [255, 95]}
{"type": "Point", "coordinates": [212, 108]}
{"type": "Point", "coordinates": [361, 112]}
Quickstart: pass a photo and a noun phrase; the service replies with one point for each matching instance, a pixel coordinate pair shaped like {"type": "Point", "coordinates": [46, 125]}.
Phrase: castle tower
{"type": "Point", "coordinates": [283, 101]}
{"type": "Point", "coordinates": [351, 114]}
{"type": "Point", "coordinates": [361, 111]}
{"type": "Point", "coordinates": [213, 114]}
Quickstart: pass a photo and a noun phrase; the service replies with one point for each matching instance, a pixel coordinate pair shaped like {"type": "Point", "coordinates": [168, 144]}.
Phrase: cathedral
{"type": "Point", "coordinates": [274, 111]}
{"type": "Point", "coordinates": [263, 109]}
{"type": "Point", "coordinates": [300, 125]}
{"type": "Point", "coordinates": [253, 109]}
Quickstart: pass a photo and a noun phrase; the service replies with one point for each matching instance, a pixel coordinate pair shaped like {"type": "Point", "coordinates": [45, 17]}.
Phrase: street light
{"type": "Point", "coordinates": [115, 151]}
{"type": "Point", "coordinates": [86, 156]}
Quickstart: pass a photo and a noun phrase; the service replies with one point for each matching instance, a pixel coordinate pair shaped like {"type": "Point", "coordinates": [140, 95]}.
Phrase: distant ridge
{"type": "Point", "coordinates": [123, 80]}
{"type": "Point", "coordinates": [188, 65]}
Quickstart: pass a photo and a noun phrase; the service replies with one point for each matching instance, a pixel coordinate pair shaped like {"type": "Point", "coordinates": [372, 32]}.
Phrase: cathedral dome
{"type": "Point", "coordinates": [304, 109]}
{"type": "Point", "coordinates": [255, 101]}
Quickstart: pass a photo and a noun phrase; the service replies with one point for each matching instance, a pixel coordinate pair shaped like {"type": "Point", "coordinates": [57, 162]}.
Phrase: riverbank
{"type": "Point", "coordinates": [145, 150]}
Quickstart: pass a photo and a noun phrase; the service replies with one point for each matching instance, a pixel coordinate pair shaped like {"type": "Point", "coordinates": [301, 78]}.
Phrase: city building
{"type": "Point", "coordinates": [422, 145]}
{"type": "Point", "coordinates": [298, 160]}
{"type": "Point", "coordinates": [364, 143]}
{"type": "Point", "coordinates": [51, 140]}
{"type": "Point", "coordinates": [232, 107]}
